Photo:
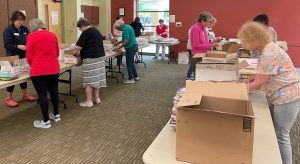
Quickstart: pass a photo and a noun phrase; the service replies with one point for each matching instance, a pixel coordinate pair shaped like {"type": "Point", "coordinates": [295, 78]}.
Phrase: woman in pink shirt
{"type": "Point", "coordinates": [199, 39]}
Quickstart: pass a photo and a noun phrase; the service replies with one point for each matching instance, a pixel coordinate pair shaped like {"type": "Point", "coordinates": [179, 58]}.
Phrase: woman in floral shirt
{"type": "Point", "coordinates": [277, 76]}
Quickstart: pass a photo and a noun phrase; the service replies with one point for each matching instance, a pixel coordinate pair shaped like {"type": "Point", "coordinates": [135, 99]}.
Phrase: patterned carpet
{"type": "Point", "coordinates": [117, 131]}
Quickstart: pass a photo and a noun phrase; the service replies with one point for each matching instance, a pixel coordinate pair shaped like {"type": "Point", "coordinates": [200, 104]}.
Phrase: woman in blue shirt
{"type": "Point", "coordinates": [14, 38]}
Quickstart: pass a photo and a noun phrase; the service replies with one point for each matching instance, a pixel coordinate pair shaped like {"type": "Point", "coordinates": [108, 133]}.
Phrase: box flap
{"type": "Point", "coordinates": [216, 54]}
{"type": "Point", "coordinates": [199, 55]}
{"type": "Point", "coordinates": [217, 66]}
{"type": "Point", "coordinates": [189, 99]}
{"type": "Point", "coordinates": [219, 89]}
{"type": "Point", "coordinates": [213, 60]}
{"type": "Point", "coordinates": [243, 64]}
{"type": "Point", "coordinates": [11, 59]}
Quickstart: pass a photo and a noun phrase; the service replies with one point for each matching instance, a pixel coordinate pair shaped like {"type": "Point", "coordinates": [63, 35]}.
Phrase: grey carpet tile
{"type": "Point", "coordinates": [118, 130]}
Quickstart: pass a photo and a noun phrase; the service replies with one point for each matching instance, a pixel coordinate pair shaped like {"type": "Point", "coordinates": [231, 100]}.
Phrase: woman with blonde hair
{"type": "Point", "coordinates": [277, 76]}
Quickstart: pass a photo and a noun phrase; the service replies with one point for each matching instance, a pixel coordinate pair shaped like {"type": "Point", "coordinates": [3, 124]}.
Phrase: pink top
{"type": "Point", "coordinates": [199, 39]}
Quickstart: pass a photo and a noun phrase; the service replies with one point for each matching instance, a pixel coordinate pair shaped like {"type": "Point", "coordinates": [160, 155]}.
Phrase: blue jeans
{"type": "Point", "coordinates": [284, 116]}
{"type": "Point", "coordinates": [130, 52]}
{"type": "Point", "coordinates": [192, 68]}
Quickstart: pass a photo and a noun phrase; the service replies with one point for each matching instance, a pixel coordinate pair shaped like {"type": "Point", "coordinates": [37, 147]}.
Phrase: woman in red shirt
{"type": "Point", "coordinates": [161, 31]}
{"type": "Point", "coordinates": [42, 56]}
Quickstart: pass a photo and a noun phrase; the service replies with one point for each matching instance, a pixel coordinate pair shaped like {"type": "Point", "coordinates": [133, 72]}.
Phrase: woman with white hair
{"type": "Point", "coordinates": [131, 47]}
{"type": "Point", "coordinates": [42, 56]}
{"type": "Point", "coordinates": [90, 45]}
{"type": "Point", "coordinates": [277, 76]}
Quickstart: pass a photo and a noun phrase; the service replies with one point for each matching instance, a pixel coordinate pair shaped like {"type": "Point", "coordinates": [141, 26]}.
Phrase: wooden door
{"type": "Point", "coordinates": [4, 23]}
{"type": "Point", "coordinates": [7, 7]}
{"type": "Point", "coordinates": [28, 6]}
{"type": "Point", "coordinates": [53, 19]}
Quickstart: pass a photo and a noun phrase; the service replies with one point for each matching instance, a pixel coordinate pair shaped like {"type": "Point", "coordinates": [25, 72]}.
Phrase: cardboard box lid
{"type": "Point", "coordinates": [216, 54]}
{"type": "Point", "coordinates": [199, 55]}
{"type": "Point", "coordinates": [238, 91]}
{"type": "Point", "coordinates": [220, 97]}
{"type": "Point", "coordinates": [223, 66]}
{"type": "Point", "coordinates": [70, 52]}
{"type": "Point", "coordinates": [11, 59]}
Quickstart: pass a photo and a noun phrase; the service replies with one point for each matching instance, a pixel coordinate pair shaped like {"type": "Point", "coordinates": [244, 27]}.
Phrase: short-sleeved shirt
{"type": "Point", "coordinates": [161, 30]}
{"type": "Point", "coordinates": [284, 84]}
{"type": "Point", "coordinates": [91, 43]}
{"type": "Point", "coordinates": [128, 34]}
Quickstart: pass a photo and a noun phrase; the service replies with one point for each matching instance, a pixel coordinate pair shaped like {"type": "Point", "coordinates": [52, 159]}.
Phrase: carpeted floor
{"type": "Point", "coordinates": [117, 131]}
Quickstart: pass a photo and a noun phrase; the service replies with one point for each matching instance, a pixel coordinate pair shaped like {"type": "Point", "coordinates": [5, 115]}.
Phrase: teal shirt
{"type": "Point", "coordinates": [128, 34]}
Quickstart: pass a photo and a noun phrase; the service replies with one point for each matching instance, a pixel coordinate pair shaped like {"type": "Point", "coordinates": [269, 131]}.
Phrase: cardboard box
{"type": "Point", "coordinates": [11, 66]}
{"type": "Point", "coordinates": [217, 57]}
{"type": "Point", "coordinates": [218, 71]}
{"type": "Point", "coordinates": [10, 59]}
{"type": "Point", "coordinates": [71, 58]}
{"type": "Point", "coordinates": [215, 124]}
{"type": "Point", "coordinates": [183, 58]}
{"type": "Point", "coordinates": [231, 47]}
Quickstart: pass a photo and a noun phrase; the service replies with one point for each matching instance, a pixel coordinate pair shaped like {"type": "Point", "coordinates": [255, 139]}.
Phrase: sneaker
{"type": "Point", "coordinates": [86, 104]}
{"type": "Point", "coordinates": [11, 103]}
{"type": "Point", "coordinates": [97, 101]}
{"type": "Point", "coordinates": [41, 124]}
{"type": "Point", "coordinates": [129, 81]}
{"type": "Point", "coordinates": [28, 98]}
{"type": "Point", "coordinates": [55, 118]}
{"type": "Point", "coordinates": [155, 58]}
{"type": "Point", "coordinates": [136, 78]}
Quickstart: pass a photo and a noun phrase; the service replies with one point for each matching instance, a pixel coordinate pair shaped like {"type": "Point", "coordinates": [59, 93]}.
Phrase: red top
{"type": "Point", "coordinates": [42, 53]}
{"type": "Point", "coordinates": [162, 30]}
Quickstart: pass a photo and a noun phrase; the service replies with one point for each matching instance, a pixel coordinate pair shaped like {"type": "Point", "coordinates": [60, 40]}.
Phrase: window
{"type": "Point", "coordinates": [150, 11]}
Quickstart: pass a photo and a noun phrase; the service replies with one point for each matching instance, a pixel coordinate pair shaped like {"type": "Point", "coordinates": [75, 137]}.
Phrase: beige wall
{"type": "Point", "coordinates": [70, 16]}
{"type": "Point", "coordinates": [104, 13]}
{"type": "Point", "coordinates": [71, 13]}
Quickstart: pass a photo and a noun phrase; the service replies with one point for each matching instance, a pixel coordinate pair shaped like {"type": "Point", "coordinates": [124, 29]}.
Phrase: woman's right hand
{"type": "Point", "coordinates": [22, 47]}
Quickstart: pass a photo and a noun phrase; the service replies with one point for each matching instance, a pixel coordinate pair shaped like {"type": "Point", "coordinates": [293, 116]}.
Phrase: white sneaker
{"type": "Point", "coordinates": [136, 78]}
{"type": "Point", "coordinates": [97, 101]}
{"type": "Point", "coordinates": [129, 81]}
{"type": "Point", "coordinates": [55, 118]}
{"type": "Point", "coordinates": [41, 124]}
{"type": "Point", "coordinates": [86, 104]}
{"type": "Point", "coordinates": [155, 58]}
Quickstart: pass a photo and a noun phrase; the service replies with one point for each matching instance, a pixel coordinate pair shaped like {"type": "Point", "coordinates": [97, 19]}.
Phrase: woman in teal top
{"type": "Point", "coordinates": [131, 47]}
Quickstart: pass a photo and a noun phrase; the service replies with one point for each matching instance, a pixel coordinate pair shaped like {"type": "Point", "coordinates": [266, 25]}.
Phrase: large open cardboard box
{"type": "Point", "coordinates": [215, 124]}
{"type": "Point", "coordinates": [219, 71]}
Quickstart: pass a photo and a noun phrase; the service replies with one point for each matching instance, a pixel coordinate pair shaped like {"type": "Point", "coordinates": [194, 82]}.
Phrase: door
{"type": "Point", "coordinates": [53, 19]}
{"type": "Point", "coordinates": [7, 7]}
{"type": "Point", "coordinates": [4, 23]}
